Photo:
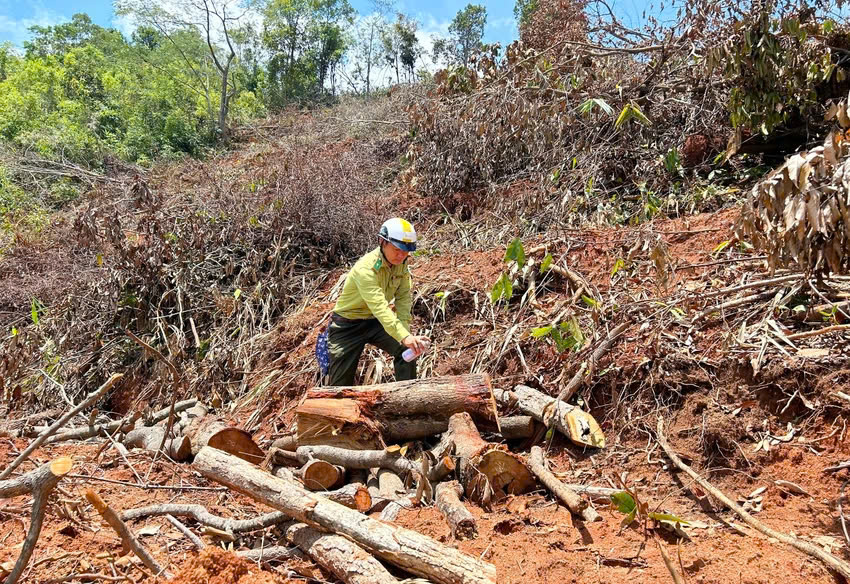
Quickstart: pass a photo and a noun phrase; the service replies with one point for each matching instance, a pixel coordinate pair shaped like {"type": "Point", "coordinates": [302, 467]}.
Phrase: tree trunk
{"type": "Point", "coordinates": [486, 471]}
{"type": "Point", "coordinates": [404, 548]}
{"type": "Point", "coordinates": [460, 520]}
{"type": "Point", "coordinates": [517, 427]}
{"type": "Point", "coordinates": [210, 431]}
{"type": "Point", "coordinates": [400, 411]}
{"type": "Point", "coordinates": [579, 426]}
{"type": "Point", "coordinates": [224, 105]}
{"type": "Point", "coordinates": [150, 437]}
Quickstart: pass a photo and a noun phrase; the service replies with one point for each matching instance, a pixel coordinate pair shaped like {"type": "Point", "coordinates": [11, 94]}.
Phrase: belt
{"type": "Point", "coordinates": [342, 320]}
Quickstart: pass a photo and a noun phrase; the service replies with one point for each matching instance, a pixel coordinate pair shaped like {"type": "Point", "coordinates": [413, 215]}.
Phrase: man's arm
{"type": "Point", "coordinates": [404, 300]}
{"type": "Point", "coordinates": [367, 285]}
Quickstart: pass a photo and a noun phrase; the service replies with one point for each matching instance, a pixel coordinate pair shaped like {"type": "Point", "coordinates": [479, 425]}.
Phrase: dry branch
{"type": "Point", "coordinates": [40, 483]}
{"type": "Point", "coordinates": [462, 523]}
{"type": "Point", "coordinates": [128, 540]}
{"type": "Point", "coordinates": [112, 427]}
{"type": "Point", "coordinates": [204, 517]}
{"type": "Point", "coordinates": [818, 332]}
{"type": "Point", "coordinates": [810, 549]}
{"type": "Point", "coordinates": [196, 541]}
{"type": "Point", "coordinates": [589, 366]}
{"type": "Point", "coordinates": [577, 505]}
{"type": "Point", "coordinates": [409, 550]}
{"type": "Point", "coordinates": [59, 423]}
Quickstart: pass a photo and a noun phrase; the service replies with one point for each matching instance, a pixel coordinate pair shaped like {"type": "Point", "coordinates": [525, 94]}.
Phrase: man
{"type": "Point", "coordinates": [363, 315]}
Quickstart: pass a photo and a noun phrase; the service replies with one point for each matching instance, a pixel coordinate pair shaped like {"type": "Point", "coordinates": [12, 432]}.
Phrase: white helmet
{"type": "Point", "coordinates": [400, 233]}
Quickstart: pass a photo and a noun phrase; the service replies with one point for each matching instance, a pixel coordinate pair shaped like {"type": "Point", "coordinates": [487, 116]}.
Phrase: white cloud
{"type": "Point", "coordinates": [17, 31]}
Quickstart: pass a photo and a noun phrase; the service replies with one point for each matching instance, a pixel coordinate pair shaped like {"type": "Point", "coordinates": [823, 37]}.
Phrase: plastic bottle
{"type": "Point", "coordinates": [409, 355]}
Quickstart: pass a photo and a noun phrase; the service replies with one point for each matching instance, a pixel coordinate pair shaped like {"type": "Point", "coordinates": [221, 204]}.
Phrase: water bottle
{"type": "Point", "coordinates": [409, 355]}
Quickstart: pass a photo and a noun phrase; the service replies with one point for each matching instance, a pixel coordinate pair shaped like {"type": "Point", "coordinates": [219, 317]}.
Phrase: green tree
{"type": "Point", "coordinates": [213, 20]}
{"type": "Point", "coordinates": [367, 45]}
{"type": "Point", "coordinates": [465, 33]}
{"type": "Point", "coordinates": [401, 47]}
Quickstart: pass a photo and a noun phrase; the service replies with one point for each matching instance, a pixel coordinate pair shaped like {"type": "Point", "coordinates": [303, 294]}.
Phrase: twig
{"type": "Point", "coordinates": [831, 561]}
{"type": "Point", "coordinates": [677, 578]}
{"type": "Point", "coordinates": [841, 512]}
{"type": "Point", "coordinates": [58, 424]}
{"type": "Point", "coordinates": [818, 332]}
{"type": "Point", "coordinates": [577, 505]}
{"type": "Point", "coordinates": [40, 483]}
{"type": "Point", "coordinates": [129, 541]}
{"type": "Point", "coordinates": [87, 577]}
{"type": "Point", "coordinates": [185, 531]}
{"type": "Point", "coordinates": [201, 515]}
{"type": "Point", "coordinates": [721, 262]}
{"type": "Point", "coordinates": [733, 304]}
{"type": "Point", "coordinates": [590, 364]}
{"type": "Point", "coordinates": [758, 284]}
{"type": "Point", "coordinates": [147, 486]}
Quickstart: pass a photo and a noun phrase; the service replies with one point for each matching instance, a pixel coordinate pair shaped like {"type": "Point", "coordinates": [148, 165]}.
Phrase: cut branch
{"type": "Point", "coordinates": [40, 483]}
{"type": "Point", "coordinates": [129, 541]}
{"type": "Point", "coordinates": [577, 505]}
{"type": "Point", "coordinates": [204, 517]}
{"type": "Point", "coordinates": [460, 520]}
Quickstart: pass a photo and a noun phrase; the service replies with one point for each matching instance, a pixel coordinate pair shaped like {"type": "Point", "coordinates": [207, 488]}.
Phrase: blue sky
{"type": "Point", "coordinates": [434, 16]}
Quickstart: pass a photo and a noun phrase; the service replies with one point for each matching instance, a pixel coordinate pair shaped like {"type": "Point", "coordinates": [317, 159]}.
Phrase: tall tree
{"type": "Point", "coordinates": [465, 33]}
{"type": "Point", "coordinates": [367, 44]}
{"type": "Point", "coordinates": [214, 21]}
{"type": "Point", "coordinates": [401, 47]}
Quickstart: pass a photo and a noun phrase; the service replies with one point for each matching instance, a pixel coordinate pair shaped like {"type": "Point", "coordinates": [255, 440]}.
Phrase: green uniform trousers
{"type": "Point", "coordinates": [346, 341]}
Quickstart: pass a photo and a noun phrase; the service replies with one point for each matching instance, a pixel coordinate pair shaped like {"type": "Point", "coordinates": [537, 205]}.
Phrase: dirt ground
{"type": "Point", "coordinates": [743, 434]}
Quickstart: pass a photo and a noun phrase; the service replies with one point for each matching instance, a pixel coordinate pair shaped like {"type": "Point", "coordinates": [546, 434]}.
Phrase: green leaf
{"type": "Point", "coordinates": [34, 311]}
{"type": "Point", "coordinates": [586, 108]}
{"type": "Point", "coordinates": [668, 517]}
{"type": "Point", "coordinates": [14, 332]}
{"type": "Point", "coordinates": [624, 502]}
{"type": "Point", "coordinates": [631, 111]}
{"type": "Point", "coordinates": [503, 288]}
{"type": "Point", "coordinates": [589, 301]}
{"type": "Point", "coordinates": [99, 260]}
{"type": "Point", "coordinates": [516, 252]}
{"type": "Point", "coordinates": [550, 433]}
{"type": "Point", "coordinates": [546, 264]}
{"type": "Point", "coordinates": [237, 293]}
{"type": "Point", "coordinates": [541, 331]}
{"type": "Point", "coordinates": [627, 520]}
{"type": "Point", "coordinates": [618, 265]}
{"type": "Point", "coordinates": [720, 247]}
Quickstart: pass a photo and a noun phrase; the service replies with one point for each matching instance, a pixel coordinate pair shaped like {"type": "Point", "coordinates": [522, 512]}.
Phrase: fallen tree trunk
{"type": "Point", "coordinates": [112, 427]}
{"type": "Point", "coordinates": [400, 411]}
{"type": "Point", "coordinates": [485, 470]}
{"type": "Point", "coordinates": [39, 483]}
{"type": "Point", "coordinates": [579, 426]}
{"type": "Point", "coordinates": [343, 558]}
{"type": "Point", "coordinates": [574, 503]}
{"type": "Point", "coordinates": [460, 520]}
{"type": "Point", "coordinates": [150, 437]}
{"type": "Point", "coordinates": [806, 547]}
{"type": "Point", "coordinates": [407, 549]}
{"type": "Point", "coordinates": [210, 431]}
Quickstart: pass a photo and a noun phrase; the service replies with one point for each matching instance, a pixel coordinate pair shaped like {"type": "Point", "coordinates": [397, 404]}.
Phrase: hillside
{"type": "Point", "coordinates": [596, 228]}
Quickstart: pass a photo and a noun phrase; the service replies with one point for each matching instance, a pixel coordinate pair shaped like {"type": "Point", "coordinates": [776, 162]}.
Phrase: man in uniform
{"type": "Point", "coordinates": [363, 315]}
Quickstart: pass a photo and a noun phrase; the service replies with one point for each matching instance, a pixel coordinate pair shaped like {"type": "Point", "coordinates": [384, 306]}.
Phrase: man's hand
{"type": "Point", "coordinates": [417, 343]}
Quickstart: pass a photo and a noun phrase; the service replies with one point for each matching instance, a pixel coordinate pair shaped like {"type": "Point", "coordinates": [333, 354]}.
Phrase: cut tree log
{"type": "Point", "coordinates": [517, 427]}
{"type": "Point", "coordinates": [363, 459]}
{"type": "Point", "coordinates": [574, 503]}
{"type": "Point", "coordinates": [486, 471]}
{"type": "Point", "coordinates": [343, 558]}
{"type": "Point", "coordinates": [832, 562]}
{"type": "Point", "coordinates": [112, 427]}
{"type": "Point", "coordinates": [390, 485]}
{"type": "Point", "coordinates": [211, 431]}
{"type": "Point", "coordinates": [461, 521]}
{"type": "Point", "coordinates": [394, 412]}
{"type": "Point", "coordinates": [150, 437]}
{"type": "Point", "coordinates": [404, 548]}
{"type": "Point", "coordinates": [319, 475]}
{"type": "Point", "coordinates": [39, 483]}
{"type": "Point", "coordinates": [128, 540]}
{"type": "Point", "coordinates": [577, 425]}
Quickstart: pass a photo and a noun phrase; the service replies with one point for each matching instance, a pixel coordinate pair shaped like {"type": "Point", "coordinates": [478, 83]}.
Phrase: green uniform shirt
{"type": "Point", "coordinates": [370, 287]}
